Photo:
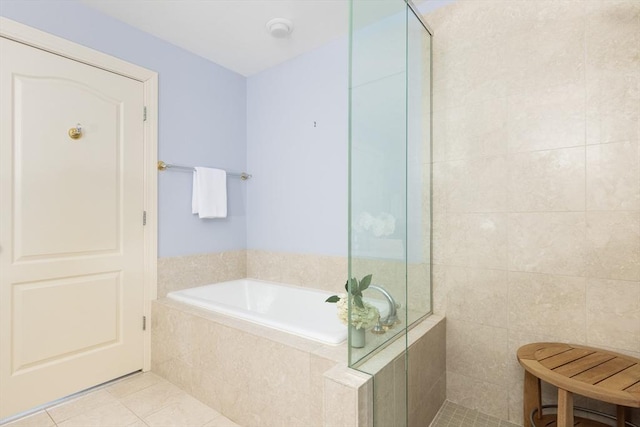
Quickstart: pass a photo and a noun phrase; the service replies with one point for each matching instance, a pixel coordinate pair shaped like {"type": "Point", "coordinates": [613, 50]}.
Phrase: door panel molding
{"type": "Point", "coordinates": [91, 208]}
{"type": "Point", "coordinates": [102, 291]}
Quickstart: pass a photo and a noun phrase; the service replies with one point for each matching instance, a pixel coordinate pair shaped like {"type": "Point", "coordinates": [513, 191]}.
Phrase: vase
{"type": "Point", "coordinates": [357, 336]}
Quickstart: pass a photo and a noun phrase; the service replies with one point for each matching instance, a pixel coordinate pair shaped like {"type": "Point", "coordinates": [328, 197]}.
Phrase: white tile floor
{"type": "Point", "coordinates": [140, 400]}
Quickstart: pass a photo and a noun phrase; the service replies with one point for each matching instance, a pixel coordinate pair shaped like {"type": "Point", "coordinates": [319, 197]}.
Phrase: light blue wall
{"type": "Point", "coordinates": [210, 116]}
{"type": "Point", "coordinates": [298, 199]}
{"type": "Point", "coordinates": [202, 117]}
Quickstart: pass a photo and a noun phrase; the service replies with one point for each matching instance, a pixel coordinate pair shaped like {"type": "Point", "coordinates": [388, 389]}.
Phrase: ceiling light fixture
{"type": "Point", "coordinates": [280, 27]}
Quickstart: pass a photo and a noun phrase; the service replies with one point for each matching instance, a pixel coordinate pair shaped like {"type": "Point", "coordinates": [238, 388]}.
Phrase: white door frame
{"type": "Point", "coordinates": [39, 39]}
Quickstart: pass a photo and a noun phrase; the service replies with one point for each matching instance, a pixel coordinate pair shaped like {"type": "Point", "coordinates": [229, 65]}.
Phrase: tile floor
{"type": "Point", "coordinates": [145, 399]}
{"type": "Point", "coordinates": [452, 415]}
{"type": "Point", "coordinates": [140, 400]}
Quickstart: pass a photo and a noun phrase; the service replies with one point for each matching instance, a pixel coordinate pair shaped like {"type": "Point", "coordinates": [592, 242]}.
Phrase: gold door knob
{"type": "Point", "coordinates": [76, 132]}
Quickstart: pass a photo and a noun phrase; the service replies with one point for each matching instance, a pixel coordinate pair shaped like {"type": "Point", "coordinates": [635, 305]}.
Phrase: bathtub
{"type": "Point", "coordinates": [234, 365]}
{"type": "Point", "coordinates": [296, 310]}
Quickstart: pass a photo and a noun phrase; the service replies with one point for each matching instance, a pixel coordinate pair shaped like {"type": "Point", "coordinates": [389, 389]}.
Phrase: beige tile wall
{"type": "Point", "coordinates": [309, 270]}
{"type": "Point", "coordinates": [536, 115]}
{"type": "Point", "coordinates": [182, 272]}
{"type": "Point", "coordinates": [330, 273]}
{"type": "Point", "coordinates": [394, 276]}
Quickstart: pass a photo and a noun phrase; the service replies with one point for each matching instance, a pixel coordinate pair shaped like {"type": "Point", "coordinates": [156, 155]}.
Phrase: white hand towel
{"type": "Point", "coordinates": [209, 197]}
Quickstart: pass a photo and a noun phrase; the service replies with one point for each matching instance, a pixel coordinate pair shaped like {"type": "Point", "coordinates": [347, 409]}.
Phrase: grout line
{"type": "Point", "coordinates": [586, 172]}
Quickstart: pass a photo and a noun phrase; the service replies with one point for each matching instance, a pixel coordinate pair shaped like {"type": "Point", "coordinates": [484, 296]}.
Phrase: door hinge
{"type": "Point", "coordinates": [144, 217]}
{"type": "Point", "coordinates": [144, 114]}
{"type": "Point", "coordinates": [144, 323]}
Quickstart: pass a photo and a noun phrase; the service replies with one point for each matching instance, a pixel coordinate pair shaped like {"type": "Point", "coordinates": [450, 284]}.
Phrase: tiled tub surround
{"type": "Point", "coordinates": [258, 376]}
{"type": "Point", "coordinates": [536, 185]}
{"type": "Point", "coordinates": [330, 272]}
{"type": "Point", "coordinates": [326, 272]}
{"type": "Point", "coordinates": [183, 272]}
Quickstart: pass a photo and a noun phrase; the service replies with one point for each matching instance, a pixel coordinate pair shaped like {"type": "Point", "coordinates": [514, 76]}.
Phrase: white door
{"type": "Point", "coordinates": [71, 230]}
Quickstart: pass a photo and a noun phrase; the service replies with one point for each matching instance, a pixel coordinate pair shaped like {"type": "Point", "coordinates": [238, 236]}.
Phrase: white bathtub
{"type": "Point", "coordinates": [292, 309]}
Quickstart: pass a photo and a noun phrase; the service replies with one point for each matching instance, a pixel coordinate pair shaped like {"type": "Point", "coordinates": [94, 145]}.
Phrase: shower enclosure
{"type": "Point", "coordinates": [389, 181]}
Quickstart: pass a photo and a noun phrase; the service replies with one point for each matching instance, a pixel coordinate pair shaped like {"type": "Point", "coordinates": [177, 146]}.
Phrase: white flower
{"type": "Point", "coordinates": [388, 223]}
{"type": "Point", "coordinates": [364, 222]}
{"type": "Point", "coordinates": [382, 225]}
{"type": "Point", "coordinates": [360, 317]}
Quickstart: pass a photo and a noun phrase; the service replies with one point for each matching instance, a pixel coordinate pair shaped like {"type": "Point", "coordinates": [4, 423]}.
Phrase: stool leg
{"type": "Point", "coordinates": [620, 416]}
{"type": "Point", "coordinates": [565, 408]}
{"type": "Point", "coordinates": [532, 397]}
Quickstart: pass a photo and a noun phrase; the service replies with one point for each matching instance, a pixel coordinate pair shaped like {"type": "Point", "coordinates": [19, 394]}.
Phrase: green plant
{"type": "Point", "coordinates": [354, 288]}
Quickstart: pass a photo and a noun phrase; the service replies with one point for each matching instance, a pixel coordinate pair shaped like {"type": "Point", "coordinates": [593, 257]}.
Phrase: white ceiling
{"type": "Point", "coordinates": [232, 33]}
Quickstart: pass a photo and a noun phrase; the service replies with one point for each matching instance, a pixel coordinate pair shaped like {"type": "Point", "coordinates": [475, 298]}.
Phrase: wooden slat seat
{"type": "Point", "coordinates": [591, 372]}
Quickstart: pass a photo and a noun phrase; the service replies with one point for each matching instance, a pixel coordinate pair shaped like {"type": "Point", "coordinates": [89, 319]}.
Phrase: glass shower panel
{"type": "Point", "coordinates": [389, 195]}
{"type": "Point", "coordinates": [378, 164]}
{"type": "Point", "coordinates": [418, 170]}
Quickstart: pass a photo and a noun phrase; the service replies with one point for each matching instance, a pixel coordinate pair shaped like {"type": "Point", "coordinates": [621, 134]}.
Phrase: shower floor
{"type": "Point", "coordinates": [452, 415]}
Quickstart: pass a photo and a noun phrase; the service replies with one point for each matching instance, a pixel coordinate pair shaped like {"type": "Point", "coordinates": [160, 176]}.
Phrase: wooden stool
{"type": "Point", "coordinates": [591, 372]}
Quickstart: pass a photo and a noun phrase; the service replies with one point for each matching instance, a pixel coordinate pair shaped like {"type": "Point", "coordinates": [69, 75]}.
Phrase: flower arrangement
{"type": "Point", "coordinates": [363, 314]}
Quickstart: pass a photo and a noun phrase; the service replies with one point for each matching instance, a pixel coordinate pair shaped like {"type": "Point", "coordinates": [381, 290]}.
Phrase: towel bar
{"type": "Point", "coordinates": [164, 166]}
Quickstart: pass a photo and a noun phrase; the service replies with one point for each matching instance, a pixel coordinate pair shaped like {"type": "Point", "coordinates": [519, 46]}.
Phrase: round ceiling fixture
{"type": "Point", "coordinates": [280, 27]}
